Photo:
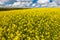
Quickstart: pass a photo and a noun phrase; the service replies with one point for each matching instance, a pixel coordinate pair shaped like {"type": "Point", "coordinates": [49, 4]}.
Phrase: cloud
{"type": "Point", "coordinates": [34, 4]}
{"type": "Point", "coordinates": [58, 2]}
{"type": "Point", "coordinates": [7, 2]}
{"type": "Point", "coordinates": [42, 1]}
{"type": "Point", "coordinates": [23, 0]}
{"type": "Point", "coordinates": [3, 1]}
{"type": "Point", "coordinates": [39, 3]}
{"type": "Point", "coordinates": [45, 4]}
{"type": "Point", "coordinates": [53, 4]}
{"type": "Point", "coordinates": [16, 3]}
{"type": "Point", "coordinates": [19, 4]}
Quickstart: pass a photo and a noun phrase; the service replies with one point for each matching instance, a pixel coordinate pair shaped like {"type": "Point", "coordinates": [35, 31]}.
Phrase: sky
{"type": "Point", "coordinates": [29, 3]}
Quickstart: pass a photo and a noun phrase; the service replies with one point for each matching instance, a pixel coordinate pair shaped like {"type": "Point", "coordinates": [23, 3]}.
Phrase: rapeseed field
{"type": "Point", "coordinates": [30, 24]}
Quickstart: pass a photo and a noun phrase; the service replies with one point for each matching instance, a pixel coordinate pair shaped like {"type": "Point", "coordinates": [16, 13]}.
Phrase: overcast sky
{"type": "Point", "coordinates": [18, 3]}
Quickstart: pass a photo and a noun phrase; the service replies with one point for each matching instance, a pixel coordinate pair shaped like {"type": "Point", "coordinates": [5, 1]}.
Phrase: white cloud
{"type": "Point", "coordinates": [24, 0]}
{"type": "Point", "coordinates": [16, 3]}
{"type": "Point", "coordinates": [53, 4]}
{"type": "Point", "coordinates": [58, 2]}
{"type": "Point", "coordinates": [4, 0]}
{"type": "Point", "coordinates": [34, 4]}
{"type": "Point", "coordinates": [19, 4]}
{"type": "Point", "coordinates": [1, 3]}
{"type": "Point", "coordinates": [42, 1]}
{"type": "Point", "coordinates": [45, 5]}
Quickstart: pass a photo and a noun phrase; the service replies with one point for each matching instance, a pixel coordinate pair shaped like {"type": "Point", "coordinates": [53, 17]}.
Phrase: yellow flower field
{"type": "Point", "coordinates": [30, 24]}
